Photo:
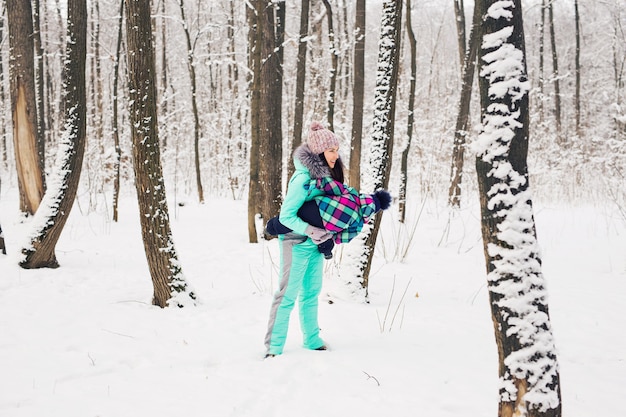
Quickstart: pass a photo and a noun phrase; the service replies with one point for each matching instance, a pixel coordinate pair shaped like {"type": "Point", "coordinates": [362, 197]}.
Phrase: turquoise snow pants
{"type": "Point", "coordinates": [301, 268]}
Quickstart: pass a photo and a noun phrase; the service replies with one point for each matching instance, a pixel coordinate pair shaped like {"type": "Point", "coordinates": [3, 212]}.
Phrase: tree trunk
{"type": "Point", "coordinates": [39, 83]}
{"type": "Point", "coordinates": [459, 14]}
{"type": "Point", "coordinates": [170, 287]}
{"type": "Point", "coordinates": [116, 131]}
{"type": "Point", "coordinates": [3, 248]}
{"type": "Point", "coordinates": [24, 105]}
{"type": "Point", "coordinates": [528, 369]}
{"type": "Point", "coordinates": [270, 118]}
{"type": "Point", "coordinates": [542, 37]}
{"type": "Point", "coordinates": [404, 162]}
{"type": "Point", "coordinates": [59, 198]}
{"type": "Point", "coordinates": [194, 102]}
{"type": "Point", "coordinates": [555, 73]}
{"type": "Point", "coordinates": [357, 96]}
{"type": "Point", "coordinates": [163, 96]}
{"type": "Point", "coordinates": [461, 129]}
{"type": "Point", "coordinates": [254, 63]}
{"type": "Point", "coordinates": [380, 156]}
{"type": "Point", "coordinates": [300, 82]}
{"type": "Point", "coordinates": [3, 122]}
{"type": "Point", "coordinates": [330, 110]}
{"type": "Point", "coordinates": [577, 69]}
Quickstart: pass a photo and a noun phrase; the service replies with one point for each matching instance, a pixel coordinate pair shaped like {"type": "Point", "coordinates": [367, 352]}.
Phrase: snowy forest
{"type": "Point", "coordinates": [171, 104]}
{"type": "Point", "coordinates": [202, 51]}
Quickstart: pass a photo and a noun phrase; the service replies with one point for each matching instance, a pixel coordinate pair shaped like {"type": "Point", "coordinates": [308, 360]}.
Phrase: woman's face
{"type": "Point", "coordinates": [331, 155]}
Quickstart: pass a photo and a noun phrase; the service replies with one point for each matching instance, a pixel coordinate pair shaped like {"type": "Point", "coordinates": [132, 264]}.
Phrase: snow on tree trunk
{"type": "Point", "coordinates": [529, 376]}
{"type": "Point", "coordinates": [170, 287]}
{"type": "Point", "coordinates": [58, 200]}
{"type": "Point", "coordinates": [376, 173]}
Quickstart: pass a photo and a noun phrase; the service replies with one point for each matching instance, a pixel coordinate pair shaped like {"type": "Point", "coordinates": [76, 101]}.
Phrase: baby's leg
{"type": "Point", "coordinates": [310, 213]}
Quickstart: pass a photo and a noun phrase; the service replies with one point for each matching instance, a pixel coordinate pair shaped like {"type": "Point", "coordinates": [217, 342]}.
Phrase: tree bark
{"type": "Point", "coordinates": [3, 131]}
{"type": "Point", "coordinates": [330, 109]}
{"type": "Point", "coordinates": [170, 287]}
{"type": "Point", "coordinates": [298, 116]}
{"type": "Point", "coordinates": [577, 69]}
{"type": "Point", "coordinates": [39, 83]}
{"type": "Point", "coordinates": [116, 131]}
{"type": "Point", "coordinates": [24, 106]}
{"type": "Point", "coordinates": [459, 14]}
{"type": "Point", "coordinates": [3, 248]}
{"type": "Point", "coordinates": [357, 96]}
{"type": "Point", "coordinates": [194, 102]}
{"type": "Point", "coordinates": [528, 369]}
{"type": "Point", "coordinates": [542, 37]}
{"type": "Point", "coordinates": [555, 72]}
{"type": "Point", "coordinates": [461, 129]}
{"type": "Point", "coordinates": [404, 161]}
{"type": "Point", "coordinates": [380, 157]}
{"type": "Point", "coordinates": [270, 114]}
{"type": "Point", "coordinates": [255, 24]}
{"type": "Point", "coordinates": [59, 198]}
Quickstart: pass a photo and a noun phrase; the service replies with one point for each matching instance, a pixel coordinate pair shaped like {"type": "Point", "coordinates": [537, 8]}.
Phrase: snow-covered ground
{"type": "Point", "coordinates": [83, 340]}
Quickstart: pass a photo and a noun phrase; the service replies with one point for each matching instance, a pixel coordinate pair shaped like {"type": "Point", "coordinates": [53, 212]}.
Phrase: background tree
{"type": "Point", "coordinates": [462, 121]}
{"type": "Point", "coordinates": [555, 71]}
{"type": "Point", "coordinates": [24, 105]}
{"type": "Point", "coordinates": [332, 42]}
{"type": "Point", "coordinates": [39, 83]}
{"type": "Point", "coordinates": [3, 123]}
{"type": "Point", "coordinates": [191, 66]}
{"type": "Point", "coordinates": [404, 160]}
{"type": "Point", "coordinates": [253, 10]}
{"type": "Point", "coordinates": [298, 116]}
{"type": "Point", "coordinates": [63, 185]}
{"type": "Point", "coordinates": [270, 32]}
{"type": "Point", "coordinates": [3, 248]}
{"type": "Point", "coordinates": [170, 287]}
{"type": "Point", "coordinates": [459, 14]}
{"type": "Point", "coordinates": [357, 95]}
{"type": "Point", "coordinates": [528, 368]}
{"type": "Point", "coordinates": [380, 154]}
{"type": "Point", "coordinates": [114, 120]}
{"type": "Point", "coordinates": [577, 69]}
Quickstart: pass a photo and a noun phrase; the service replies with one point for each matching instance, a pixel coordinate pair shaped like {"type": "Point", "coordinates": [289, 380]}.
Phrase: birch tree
{"type": "Point", "coordinates": [170, 286]}
{"type": "Point", "coordinates": [58, 200]}
{"type": "Point", "coordinates": [378, 166]}
{"type": "Point", "coordinates": [528, 368]}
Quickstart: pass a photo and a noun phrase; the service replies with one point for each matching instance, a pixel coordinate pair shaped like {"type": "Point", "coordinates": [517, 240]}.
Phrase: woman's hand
{"type": "Point", "coordinates": [317, 235]}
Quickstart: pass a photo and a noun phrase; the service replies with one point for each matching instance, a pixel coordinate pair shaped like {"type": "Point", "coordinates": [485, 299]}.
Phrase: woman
{"type": "Point", "coordinates": [301, 264]}
{"type": "Point", "coordinates": [342, 210]}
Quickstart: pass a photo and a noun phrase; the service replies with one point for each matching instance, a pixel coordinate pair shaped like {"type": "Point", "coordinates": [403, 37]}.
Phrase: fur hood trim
{"type": "Point", "coordinates": [317, 168]}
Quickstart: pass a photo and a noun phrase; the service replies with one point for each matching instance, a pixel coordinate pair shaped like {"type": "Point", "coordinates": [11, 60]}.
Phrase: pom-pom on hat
{"type": "Point", "coordinates": [320, 138]}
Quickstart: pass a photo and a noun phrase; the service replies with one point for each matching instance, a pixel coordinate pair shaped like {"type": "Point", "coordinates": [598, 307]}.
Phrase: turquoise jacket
{"type": "Point", "coordinates": [308, 166]}
{"type": "Point", "coordinates": [301, 263]}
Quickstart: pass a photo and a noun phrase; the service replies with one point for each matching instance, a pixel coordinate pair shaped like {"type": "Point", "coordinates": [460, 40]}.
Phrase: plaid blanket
{"type": "Point", "coordinates": [343, 209]}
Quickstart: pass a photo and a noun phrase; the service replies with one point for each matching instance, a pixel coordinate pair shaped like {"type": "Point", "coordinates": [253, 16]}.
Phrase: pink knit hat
{"type": "Point", "coordinates": [320, 139]}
